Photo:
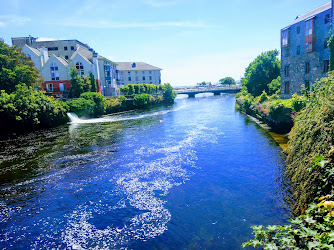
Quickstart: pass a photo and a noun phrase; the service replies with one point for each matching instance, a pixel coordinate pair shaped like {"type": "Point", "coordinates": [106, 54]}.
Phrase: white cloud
{"type": "Point", "coordinates": [13, 19]}
{"type": "Point", "coordinates": [153, 25]}
{"type": "Point", "coordinates": [158, 3]}
{"type": "Point", "coordinates": [208, 67]}
{"type": "Point", "coordinates": [2, 24]}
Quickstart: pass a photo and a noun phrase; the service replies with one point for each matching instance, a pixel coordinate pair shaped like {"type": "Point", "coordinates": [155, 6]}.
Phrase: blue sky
{"type": "Point", "coordinates": [192, 40]}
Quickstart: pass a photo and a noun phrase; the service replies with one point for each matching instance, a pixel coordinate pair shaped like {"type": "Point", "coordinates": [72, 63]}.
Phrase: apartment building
{"type": "Point", "coordinates": [54, 59]}
{"type": "Point", "coordinates": [304, 51]}
{"type": "Point", "coordinates": [137, 73]}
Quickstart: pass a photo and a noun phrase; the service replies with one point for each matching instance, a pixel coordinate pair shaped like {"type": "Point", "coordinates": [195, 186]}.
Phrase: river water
{"type": "Point", "coordinates": [193, 175]}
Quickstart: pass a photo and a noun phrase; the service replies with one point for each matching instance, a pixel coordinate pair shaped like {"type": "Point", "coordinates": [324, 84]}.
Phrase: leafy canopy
{"type": "Point", "coordinates": [16, 68]}
{"type": "Point", "coordinates": [265, 68]}
{"type": "Point", "coordinates": [227, 81]}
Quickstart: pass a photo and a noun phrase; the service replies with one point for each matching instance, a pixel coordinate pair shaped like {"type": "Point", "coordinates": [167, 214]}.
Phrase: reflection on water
{"type": "Point", "coordinates": [189, 176]}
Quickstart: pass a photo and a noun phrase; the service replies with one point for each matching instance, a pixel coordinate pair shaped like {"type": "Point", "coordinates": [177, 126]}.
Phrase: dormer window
{"type": "Point", "coordinates": [54, 72]}
{"type": "Point", "coordinates": [79, 66]}
{"type": "Point", "coordinates": [133, 65]}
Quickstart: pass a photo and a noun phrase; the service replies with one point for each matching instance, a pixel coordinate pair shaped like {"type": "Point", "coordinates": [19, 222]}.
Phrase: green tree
{"type": "Point", "coordinates": [76, 88]}
{"type": "Point", "coordinates": [227, 81]}
{"type": "Point", "coordinates": [169, 94]}
{"type": "Point", "coordinates": [124, 90]}
{"type": "Point", "coordinates": [100, 102]}
{"type": "Point", "coordinates": [137, 88]}
{"type": "Point", "coordinates": [265, 68]}
{"type": "Point", "coordinates": [86, 84]}
{"type": "Point", "coordinates": [92, 82]}
{"type": "Point", "coordinates": [131, 89]}
{"type": "Point", "coordinates": [16, 68]}
{"type": "Point", "coordinates": [275, 86]}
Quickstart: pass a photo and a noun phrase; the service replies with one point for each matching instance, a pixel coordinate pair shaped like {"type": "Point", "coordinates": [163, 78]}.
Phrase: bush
{"type": "Point", "coordinates": [116, 104]}
{"type": "Point", "coordinates": [141, 100]}
{"type": "Point", "coordinates": [263, 97]}
{"type": "Point", "coordinates": [298, 102]}
{"type": "Point", "coordinates": [169, 94]}
{"type": "Point", "coordinates": [311, 135]}
{"type": "Point", "coordinates": [100, 102]}
{"type": "Point", "coordinates": [26, 110]}
{"type": "Point", "coordinates": [81, 107]}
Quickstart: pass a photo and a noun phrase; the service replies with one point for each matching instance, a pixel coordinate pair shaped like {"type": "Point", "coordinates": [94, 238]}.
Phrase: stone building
{"type": "Point", "coordinates": [54, 59]}
{"type": "Point", "coordinates": [137, 73]}
{"type": "Point", "coordinates": [304, 51]}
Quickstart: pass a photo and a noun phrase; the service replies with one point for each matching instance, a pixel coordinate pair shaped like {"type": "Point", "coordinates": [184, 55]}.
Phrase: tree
{"type": "Point", "coordinates": [131, 89]}
{"type": "Point", "coordinates": [16, 68]}
{"type": "Point", "coordinates": [124, 90]}
{"type": "Point", "coordinates": [169, 94]}
{"type": "Point", "coordinates": [265, 68]}
{"type": "Point", "coordinates": [86, 84]}
{"type": "Point", "coordinates": [227, 81]}
{"type": "Point", "coordinates": [92, 82]}
{"type": "Point", "coordinates": [76, 88]}
{"type": "Point", "coordinates": [137, 88]}
{"type": "Point", "coordinates": [275, 86]}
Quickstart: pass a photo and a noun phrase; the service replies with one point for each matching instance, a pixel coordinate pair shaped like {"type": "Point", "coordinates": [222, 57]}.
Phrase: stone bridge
{"type": "Point", "coordinates": [191, 92]}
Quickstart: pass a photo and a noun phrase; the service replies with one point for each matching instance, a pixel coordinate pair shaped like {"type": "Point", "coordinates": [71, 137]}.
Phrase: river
{"type": "Point", "coordinates": [193, 175]}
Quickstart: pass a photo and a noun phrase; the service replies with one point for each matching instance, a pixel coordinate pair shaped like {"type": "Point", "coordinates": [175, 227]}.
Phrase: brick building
{"type": "Point", "coordinates": [304, 51]}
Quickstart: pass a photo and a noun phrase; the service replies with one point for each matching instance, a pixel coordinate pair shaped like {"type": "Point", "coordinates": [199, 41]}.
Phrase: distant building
{"type": "Point", "coordinates": [137, 73]}
{"type": "Point", "coordinates": [55, 58]}
{"type": "Point", "coordinates": [304, 51]}
{"type": "Point", "coordinates": [204, 84]}
{"type": "Point", "coordinates": [2, 40]}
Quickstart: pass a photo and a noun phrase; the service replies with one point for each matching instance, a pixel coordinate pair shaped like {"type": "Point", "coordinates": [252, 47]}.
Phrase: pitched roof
{"type": "Point", "coordinates": [62, 60]}
{"type": "Point", "coordinates": [313, 13]}
{"type": "Point", "coordinates": [83, 52]}
{"type": "Point", "coordinates": [36, 51]}
{"type": "Point", "coordinates": [138, 66]}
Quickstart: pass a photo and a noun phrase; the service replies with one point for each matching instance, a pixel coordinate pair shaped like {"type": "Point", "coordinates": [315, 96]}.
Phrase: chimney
{"type": "Point", "coordinates": [96, 66]}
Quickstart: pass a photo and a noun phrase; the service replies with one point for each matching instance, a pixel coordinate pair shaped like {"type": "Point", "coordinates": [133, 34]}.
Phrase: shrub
{"type": "Point", "coordinates": [298, 102]}
{"type": "Point", "coordinates": [99, 101]}
{"type": "Point", "coordinates": [116, 104]}
{"type": "Point", "coordinates": [141, 100]}
{"type": "Point", "coordinates": [26, 110]}
{"type": "Point", "coordinates": [81, 107]}
{"type": "Point", "coordinates": [263, 97]}
{"type": "Point", "coordinates": [169, 94]}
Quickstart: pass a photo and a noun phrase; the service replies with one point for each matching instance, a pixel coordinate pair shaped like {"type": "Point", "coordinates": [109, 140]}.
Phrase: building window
{"type": "Point", "coordinates": [129, 78]}
{"type": "Point", "coordinates": [52, 48]}
{"type": "Point", "coordinates": [326, 66]}
{"type": "Point", "coordinates": [150, 78]}
{"type": "Point", "coordinates": [287, 52]}
{"type": "Point", "coordinates": [298, 50]}
{"type": "Point", "coordinates": [62, 87]}
{"type": "Point", "coordinates": [129, 73]}
{"type": "Point", "coordinates": [137, 78]}
{"type": "Point", "coordinates": [308, 46]}
{"type": "Point", "coordinates": [286, 71]}
{"type": "Point", "coordinates": [143, 78]}
{"type": "Point", "coordinates": [327, 19]}
{"type": "Point", "coordinates": [66, 57]}
{"type": "Point", "coordinates": [298, 30]}
{"type": "Point", "coordinates": [143, 72]}
{"type": "Point", "coordinates": [150, 72]}
{"type": "Point", "coordinates": [49, 87]}
{"type": "Point", "coordinates": [285, 38]}
{"type": "Point", "coordinates": [309, 27]}
{"type": "Point", "coordinates": [286, 88]}
{"type": "Point", "coordinates": [136, 72]}
{"type": "Point", "coordinates": [307, 85]}
{"type": "Point", "coordinates": [79, 66]}
{"type": "Point", "coordinates": [65, 48]}
{"type": "Point", "coordinates": [122, 73]}
{"type": "Point", "coordinates": [307, 68]}
{"type": "Point", "coordinates": [54, 72]}
{"type": "Point", "coordinates": [326, 43]}
{"type": "Point", "coordinates": [72, 47]}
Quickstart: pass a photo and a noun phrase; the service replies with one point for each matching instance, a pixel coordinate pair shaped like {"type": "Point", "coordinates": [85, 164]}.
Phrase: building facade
{"type": "Point", "coordinates": [54, 59]}
{"type": "Point", "coordinates": [137, 73]}
{"type": "Point", "coordinates": [304, 51]}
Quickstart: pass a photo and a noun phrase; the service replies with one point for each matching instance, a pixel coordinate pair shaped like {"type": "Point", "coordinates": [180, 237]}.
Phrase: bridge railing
{"type": "Point", "coordinates": [228, 87]}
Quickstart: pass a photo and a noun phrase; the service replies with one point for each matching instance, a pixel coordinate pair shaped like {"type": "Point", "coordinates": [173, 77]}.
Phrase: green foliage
{"type": "Point", "coordinates": [99, 101]}
{"type": "Point", "coordinates": [263, 97]}
{"type": "Point", "coordinates": [312, 230]}
{"type": "Point", "coordinates": [331, 52]}
{"type": "Point", "coordinates": [124, 90]}
{"type": "Point", "coordinates": [298, 102]}
{"type": "Point", "coordinates": [275, 86]}
{"type": "Point", "coordinates": [81, 107]}
{"type": "Point", "coordinates": [227, 81]}
{"type": "Point", "coordinates": [131, 89]}
{"type": "Point", "coordinates": [15, 69]}
{"type": "Point", "coordinates": [169, 94]}
{"type": "Point", "coordinates": [141, 100]}
{"type": "Point", "coordinates": [311, 135]}
{"type": "Point", "coordinates": [116, 104]}
{"type": "Point", "coordinates": [81, 84]}
{"type": "Point", "coordinates": [27, 109]}
{"type": "Point", "coordinates": [265, 68]}
{"type": "Point", "coordinates": [92, 82]}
